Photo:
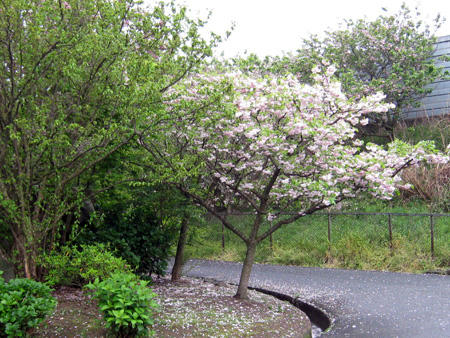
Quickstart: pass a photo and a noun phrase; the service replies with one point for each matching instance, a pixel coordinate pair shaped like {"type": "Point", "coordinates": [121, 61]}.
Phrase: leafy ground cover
{"type": "Point", "coordinates": [357, 242]}
{"type": "Point", "coordinates": [189, 308]}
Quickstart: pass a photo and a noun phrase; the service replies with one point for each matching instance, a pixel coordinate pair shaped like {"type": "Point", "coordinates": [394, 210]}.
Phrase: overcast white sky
{"type": "Point", "coordinates": [270, 27]}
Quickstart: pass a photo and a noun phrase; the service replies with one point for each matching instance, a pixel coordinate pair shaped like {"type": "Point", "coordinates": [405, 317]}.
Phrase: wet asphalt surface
{"type": "Point", "coordinates": [359, 303]}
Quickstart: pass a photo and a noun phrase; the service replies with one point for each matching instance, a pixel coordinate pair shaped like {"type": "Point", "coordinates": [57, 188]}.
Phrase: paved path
{"type": "Point", "coordinates": [360, 303]}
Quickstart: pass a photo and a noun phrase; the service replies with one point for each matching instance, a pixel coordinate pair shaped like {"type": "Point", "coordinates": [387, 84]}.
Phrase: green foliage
{"type": "Point", "coordinates": [391, 54]}
{"type": "Point", "coordinates": [24, 304]}
{"type": "Point", "coordinates": [75, 267]}
{"type": "Point", "coordinates": [435, 129]}
{"type": "Point", "coordinates": [140, 224]}
{"type": "Point", "coordinates": [79, 79]}
{"type": "Point", "coordinates": [127, 304]}
{"type": "Point", "coordinates": [136, 235]}
{"type": "Point", "coordinates": [431, 183]}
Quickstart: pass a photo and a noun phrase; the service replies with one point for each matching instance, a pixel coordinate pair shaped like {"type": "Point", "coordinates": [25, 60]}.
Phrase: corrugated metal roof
{"type": "Point", "coordinates": [437, 103]}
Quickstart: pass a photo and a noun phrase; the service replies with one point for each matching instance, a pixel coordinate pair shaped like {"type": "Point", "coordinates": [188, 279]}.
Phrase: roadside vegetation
{"type": "Point", "coordinates": [357, 242]}
{"type": "Point", "coordinates": [122, 140]}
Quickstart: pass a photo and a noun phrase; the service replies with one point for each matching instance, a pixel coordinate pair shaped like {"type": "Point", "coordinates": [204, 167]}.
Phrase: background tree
{"type": "Point", "coordinates": [392, 54]}
{"type": "Point", "coordinates": [269, 145]}
{"type": "Point", "coordinates": [77, 79]}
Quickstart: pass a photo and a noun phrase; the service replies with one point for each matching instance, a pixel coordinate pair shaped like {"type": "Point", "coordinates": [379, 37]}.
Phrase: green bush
{"type": "Point", "coordinates": [24, 304]}
{"type": "Point", "coordinates": [127, 304]}
{"type": "Point", "coordinates": [75, 267]}
{"type": "Point", "coordinates": [433, 129]}
{"type": "Point", "coordinates": [133, 229]}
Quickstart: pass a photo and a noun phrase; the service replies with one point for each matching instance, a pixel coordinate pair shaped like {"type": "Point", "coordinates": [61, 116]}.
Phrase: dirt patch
{"type": "Point", "coordinates": [197, 308]}
{"type": "Point", "coordinates": [189, 308]}
{"type": "Point", "coordinates": [76, 315]}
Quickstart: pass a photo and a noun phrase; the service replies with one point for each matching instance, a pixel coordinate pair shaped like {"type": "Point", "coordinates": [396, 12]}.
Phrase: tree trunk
{"type": "Point", "coordinates": [178, 264]}
{"type": "Point", "coordinates": [29, 262]}
{"type": "Point", "coordinates": [30, 267]}
{"type": "Point", "coordinates": [246, 271]}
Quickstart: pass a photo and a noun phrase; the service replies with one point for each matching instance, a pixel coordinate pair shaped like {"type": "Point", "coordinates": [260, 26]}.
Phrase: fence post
{"type": "Point", "coordinates": [432, 235]}
{"type": "Point", "coordinates": [271, 243]}
{"type": "Point", "coordinates": [329, 229]}
{"type": "Point", "coordinates": [390, 231]}
{"type": "Point", "coordinates": [223, 237]}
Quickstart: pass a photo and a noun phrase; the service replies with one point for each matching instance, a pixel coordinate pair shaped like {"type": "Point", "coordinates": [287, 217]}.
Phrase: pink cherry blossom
{"type": "Point", "coordinates": [287, 143]}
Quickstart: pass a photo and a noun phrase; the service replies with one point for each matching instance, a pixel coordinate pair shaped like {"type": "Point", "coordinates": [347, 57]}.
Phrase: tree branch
{"type": "Point", "coordinates": [292, 219]}
{"type": "Point", "coordinates": [222, 218]}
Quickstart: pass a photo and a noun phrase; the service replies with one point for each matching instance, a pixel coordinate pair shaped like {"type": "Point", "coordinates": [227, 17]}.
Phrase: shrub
{"type": "Point", "coordinates": [75, 267]}
{"type": "Point", "coordinates": [24, 304]}
{"type": "Point", "coordinates": [436, 129]}
{"type": "Point", "coordinates": [133, 228]}
{"type": "Point", "coordinates": [430, 183]}
{"type": "Point", "coordinates": [126, 302]}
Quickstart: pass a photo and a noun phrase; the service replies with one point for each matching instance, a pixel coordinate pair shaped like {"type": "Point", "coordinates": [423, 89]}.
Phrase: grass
{"type": "Point", "coordinates": [357, 242]}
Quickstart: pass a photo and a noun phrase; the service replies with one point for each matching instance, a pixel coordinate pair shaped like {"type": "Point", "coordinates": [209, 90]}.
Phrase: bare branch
{"type": "Point", "coordinates": [212, 210]}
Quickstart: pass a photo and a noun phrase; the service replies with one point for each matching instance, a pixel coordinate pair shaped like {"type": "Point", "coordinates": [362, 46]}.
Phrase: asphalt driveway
{"type": "Point", "coordinates": [359, 303]}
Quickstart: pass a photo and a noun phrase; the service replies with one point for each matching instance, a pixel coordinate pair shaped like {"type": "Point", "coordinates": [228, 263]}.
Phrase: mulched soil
{"type": "Point", "coordinates": [188, 308]}
{"type": "Point", "coordinates": [76, 315]}
{"type": "Point", "coordinates": [197, 308]}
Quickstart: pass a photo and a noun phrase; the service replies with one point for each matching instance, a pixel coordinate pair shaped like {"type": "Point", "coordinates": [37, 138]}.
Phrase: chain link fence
{"type": "Point", "coordinates": [327, 228]}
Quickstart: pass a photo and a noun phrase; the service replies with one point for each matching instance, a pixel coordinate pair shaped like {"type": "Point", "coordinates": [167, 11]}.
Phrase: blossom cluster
{"type": "Point", "coordinates": [273, 143]}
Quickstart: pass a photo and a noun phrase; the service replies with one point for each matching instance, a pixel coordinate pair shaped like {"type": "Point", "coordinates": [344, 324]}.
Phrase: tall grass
{"type": "Point", "coordinates": [357, 242]}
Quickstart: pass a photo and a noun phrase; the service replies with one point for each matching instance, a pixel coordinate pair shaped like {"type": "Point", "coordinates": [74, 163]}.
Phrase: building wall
{"type": "Point", "coordinates": [437, 103]}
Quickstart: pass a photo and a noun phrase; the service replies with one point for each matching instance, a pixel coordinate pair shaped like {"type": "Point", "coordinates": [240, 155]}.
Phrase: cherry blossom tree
{"type": "Point", "coordinates": [392, 54]}
{"type": "Point", "coordinates": [270, 145]}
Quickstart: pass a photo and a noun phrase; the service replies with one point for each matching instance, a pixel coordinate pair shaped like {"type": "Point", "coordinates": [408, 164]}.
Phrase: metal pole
{"type": "Point", "coordinates": [432, 235]}
{"type": "Point", "coordinates": [329, 229]}
{"type": "Point", "coordinates": [223, 238]}
{"type": "Point", "coordinates": [390, 231]}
